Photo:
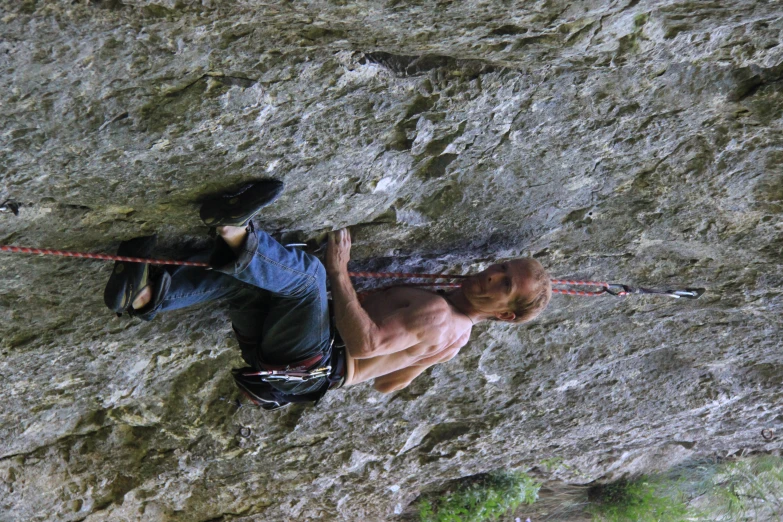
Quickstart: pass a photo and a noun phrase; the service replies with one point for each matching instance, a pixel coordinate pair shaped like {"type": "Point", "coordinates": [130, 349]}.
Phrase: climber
{"type": "Point", "coordinates": [280, 313]}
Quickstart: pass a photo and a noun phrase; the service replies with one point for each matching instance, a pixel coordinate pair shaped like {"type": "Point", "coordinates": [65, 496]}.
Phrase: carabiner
{"type": "Point", "coordinates": [618, 290]}
{"type": "Point", "coordinates": [688, 293]}
{"type": "Point", "coordinates": [291, 376]}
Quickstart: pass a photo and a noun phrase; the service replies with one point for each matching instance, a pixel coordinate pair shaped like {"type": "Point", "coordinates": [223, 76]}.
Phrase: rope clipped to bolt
{"type": "Point", "coordinates": [598, 287]}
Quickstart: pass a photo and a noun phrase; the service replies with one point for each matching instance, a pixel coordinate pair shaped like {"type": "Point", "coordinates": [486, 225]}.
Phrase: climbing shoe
{"type": "Point", "coordinates": [237, 208]}
{"type": "Point", "coordinates": [129, 279]}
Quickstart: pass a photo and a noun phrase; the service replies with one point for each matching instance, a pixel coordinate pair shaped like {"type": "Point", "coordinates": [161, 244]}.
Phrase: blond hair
{"type": "Point", "coordinates": [528, 307]}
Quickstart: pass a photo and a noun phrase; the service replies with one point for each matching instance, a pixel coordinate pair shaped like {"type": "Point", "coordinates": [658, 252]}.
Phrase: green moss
{"type": "Point", "coordinates": [640, 19]}
{"type": "Point", "coordinates": [28, 6]}
{"type": "Point", "coordinates": [157, 11]}
{"type": "Point", "coordinates": [641, 500]}
{"type": "Point", "coordinates": [486, 499]}
{"type": "Point", "coordinates": [183, 103]}
{"type": "Point", "coordinates": [441, 201]}
{"type": "Point", "coordinates": [629, 44]}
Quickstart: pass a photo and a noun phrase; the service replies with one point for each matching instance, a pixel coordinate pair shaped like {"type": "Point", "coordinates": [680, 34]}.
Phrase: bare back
{"type": "Point", "coordinates": [433, 330]}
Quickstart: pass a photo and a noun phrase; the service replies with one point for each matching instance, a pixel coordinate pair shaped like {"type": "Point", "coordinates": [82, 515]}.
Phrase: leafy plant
{"type": "Point", "coordinates": [483, 500]}
{"type": "Point", "coordinates": [642, 500]}
{"type": "Point", "coordinates": [552, 463]}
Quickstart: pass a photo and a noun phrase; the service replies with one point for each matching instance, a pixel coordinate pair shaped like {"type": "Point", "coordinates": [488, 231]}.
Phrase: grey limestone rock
{"type": "Point", "coordinates": [633, 141]}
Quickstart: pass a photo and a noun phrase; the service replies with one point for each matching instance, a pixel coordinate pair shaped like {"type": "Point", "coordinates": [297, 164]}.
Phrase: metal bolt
{"type": "Point", "coordinates": [245, 432]}
{"type": "Point", "coordinates": [768, 434]}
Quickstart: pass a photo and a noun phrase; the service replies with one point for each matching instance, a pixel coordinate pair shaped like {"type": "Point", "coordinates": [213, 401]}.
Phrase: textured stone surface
{"type": "Point", "coordinates": [635, 141]}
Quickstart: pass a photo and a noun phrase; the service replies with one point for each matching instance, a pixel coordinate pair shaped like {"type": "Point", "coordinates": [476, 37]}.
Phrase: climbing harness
{"type": "Point", "coordinates": [614, 289]}
{"type": "Point", "coordinates": [260, 382]}
{"type": "Point", "coordinates": [259, 385]}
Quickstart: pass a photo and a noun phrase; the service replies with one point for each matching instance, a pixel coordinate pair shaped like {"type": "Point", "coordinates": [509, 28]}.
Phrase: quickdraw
{"type": "Point", "coordinates": [615, 289]}
{"type": "Point", "coordinates": [620, 290]}
{"type": "Point", "coordinates": [291, 376]}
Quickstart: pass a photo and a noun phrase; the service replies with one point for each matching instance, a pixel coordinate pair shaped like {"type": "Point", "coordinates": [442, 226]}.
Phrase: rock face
{"type": "Point", "coordinates": [634, 141]}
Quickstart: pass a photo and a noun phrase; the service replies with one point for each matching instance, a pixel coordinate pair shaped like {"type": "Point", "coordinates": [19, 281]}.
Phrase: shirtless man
{"type": "Point", "coordinates": [279, 310]}
{"type": "Point", "coordinates": [395, 335]}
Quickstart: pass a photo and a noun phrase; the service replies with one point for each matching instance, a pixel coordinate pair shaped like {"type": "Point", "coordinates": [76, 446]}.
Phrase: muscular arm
{"type": "Point", "coordinates": [363, 337]}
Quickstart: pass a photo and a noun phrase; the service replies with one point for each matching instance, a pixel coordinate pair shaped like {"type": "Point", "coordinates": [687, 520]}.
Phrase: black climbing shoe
{"type": "Point", "coordinates": [129, 279]}
{"type": "Point", "coordinates": [237, 208]}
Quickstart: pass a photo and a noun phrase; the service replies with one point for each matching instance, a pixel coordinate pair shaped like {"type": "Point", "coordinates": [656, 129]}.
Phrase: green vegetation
{"type": "Point", "coordinates": [551, 464]}
{"type": "Point", "coordinates": [643, 500]}
{"type": "Point", "coordinates": [745, 490]}
{"type": "Point", "coordinates": [734, 491]}
{"type": "Point", "coordinates": [741, 490]}
{"type": "Point", "coordinates": [486, 499]}
{"type": "Point", "coordinates": [640, 19]}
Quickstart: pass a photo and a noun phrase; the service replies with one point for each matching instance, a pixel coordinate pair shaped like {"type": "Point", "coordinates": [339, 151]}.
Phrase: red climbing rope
{"type": "Point", "coordinates": [605, 288]}
{"type": "Point", "coordinates": [106, 257]}
{"type": "Point", "coordinates": [578, 283]}
{"type": "Point", "coordinates": [568, 282]}
{"type": "Point", "coordinates": [583, 293]}
{"type": "Point", "coordinates": [405, 275]}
